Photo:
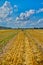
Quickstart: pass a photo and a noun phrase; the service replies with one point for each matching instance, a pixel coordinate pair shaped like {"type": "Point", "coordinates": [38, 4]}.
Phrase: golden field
{"type": "Point", "coordinates": [21, 47]}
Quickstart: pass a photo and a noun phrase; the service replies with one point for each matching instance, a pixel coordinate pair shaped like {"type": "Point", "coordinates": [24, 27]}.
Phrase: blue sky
{"type": "Point", "coordinates": [21, 13]}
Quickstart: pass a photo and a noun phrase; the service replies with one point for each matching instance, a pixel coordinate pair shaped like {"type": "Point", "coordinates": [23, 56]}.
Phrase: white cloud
{"type": "Point", "coordinates": [8, 19]}
{"type": "Point", "coordinates": [15, 8]}
{"type": "Point", "coordinates": [6, 15]}
{"type": "Point", "coordinates": [32, 23]}
{"type": "Point", "coordinates": [40, 10]}
{"type": "Point", "coordinates": [17, 18]}
{"type": "Point", "coordinates": [30, 12]}
{"type": "Point", "coordinates": [5, 10]}
{"type": "Point", "coordinates": [20, 23]}
{"type": "Point", "coordinates": [23, 23]}
{"type": "Point", "coordinates": [40, 20]}
{"type": "Point", "coordinates": [25, 16]}
{"type": "Point", "coordinates": [37, 22]}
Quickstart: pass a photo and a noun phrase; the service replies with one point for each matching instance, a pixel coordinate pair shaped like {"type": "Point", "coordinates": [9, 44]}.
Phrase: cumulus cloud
{"type": "Point", "coordinates": [20, 23]}
{"type": "Point", "coordinates": [40, 10]}
{"type": "Point", "coordinates": [25, 16]}
{"type": "Point", "coordinates": [5, 10]}
{"type": "Point", "coordinates": [15, 8]}
{"type": "Point", "coordinates": [40, 20]}
{"type": "Point", "coordinates": [37, 22]}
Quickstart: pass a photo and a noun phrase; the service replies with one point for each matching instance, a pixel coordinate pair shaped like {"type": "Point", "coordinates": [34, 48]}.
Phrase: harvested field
{"type": "Point", "coordinates": [21, 47]}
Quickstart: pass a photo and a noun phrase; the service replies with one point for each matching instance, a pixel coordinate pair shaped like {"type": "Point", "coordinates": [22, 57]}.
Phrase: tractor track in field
{"type": "Point", "coordinates": [36, 41]}
{"type": "Point", "coordinates": [24, 49]}
{"type": "Point", "coordinates": [7, 46]}
{"type": "Point", "coordinates": [29, 56]}
{"type": "Point", "coordinates": [37, 50]}
{"type": "Point", "coordinates": [18, 50]}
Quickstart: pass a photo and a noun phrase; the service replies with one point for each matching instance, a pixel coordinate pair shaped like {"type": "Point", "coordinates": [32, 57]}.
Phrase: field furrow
{"type": "Point", "coordinates": [24, 48]}
{"type": "Point", "coordinates": [15, 54]}
{"type": "Point", "coordinates": [36, 49]}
